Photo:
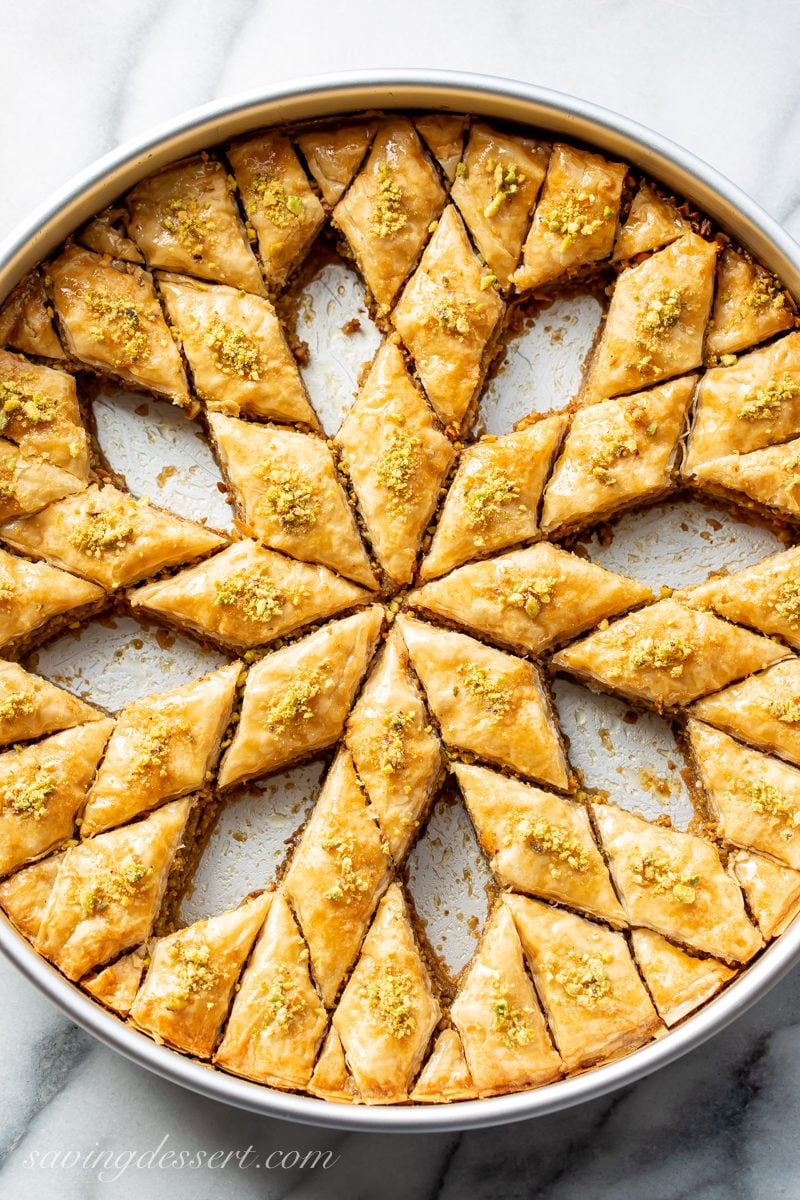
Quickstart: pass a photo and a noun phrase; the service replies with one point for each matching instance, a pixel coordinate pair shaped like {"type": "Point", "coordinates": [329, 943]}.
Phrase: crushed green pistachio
{"type": "Point", "coordinates": [388, 213]}
{"type": "Point", "coordinates": [791, 466]}
{"type": "Point", "coordinates": [283, 1005]}
{"type": "Point", "coordinates": [461, 171]}
{"type": "Point", "coordinates": [451, 314]}
{"type": "Point", "coordinates": [573, 218]}
{"type": "Point", "coordinates": [513, 1024]}
{"type": "Point", "coordinates": [487, 494]}
{"type": "Point", "coordinates": [281, 208]}
{"type": "Point", "coordinates": [388, 746]}
{"type": "Point", "coordinates": [506, 184]}
{"type": "Point", "coordinates": [764, 290]}
{"type": "Point", "coordinates": [288, 497]}
{"type": "Point", "coordinates": [661, 314]}
{"type": "Point", "coordinates": [583, 976]}
{"type": "Point", "coordinates": [544, 837]}
{"type": "Point", "coordinates": [235, 351]}
{"type": "Point", "coordinates": [8, 590]}
{"type": "Point", "coordinates": [102, 531]}
{"type": "Point", "coordinates": [186, 221]}
{"type": "Point", "coordinates": [529, 594]}
{"type": "Point", "coordinates": [155, 738]}
{"type": "Point", "coordinates": [611, 450]}
{"type": "Point", "coordinates": [29, 797]}
{"type": "Point", "coordinates": [16, 704]}
{"type": "Point", "coordinates": [654, 871]}
{"type": "Point", "coordinates": [120, 885]}
{"type": "Point", "coordinates": [491, 692]}
{"type": "Point", "coordinates": [390, 993]}
{"type": "Point", "coordinates": [487, 281]}
{"type": "Point", "coordinates": [193, 972]}
{"type": "Point", "coordinates": [121, 322]}
{"type": "Point", "coordinates": [20, 401]}
{"type": "Point", "coordinates": [254, 595]}
{"type": "Point", "coordinates": [296, 700]}
{"type": "Point", "coordinates": [786, 710]}
{"type": "Point", "coordinates": [766, 402]}
{"type": "Point", "coordinates": [397, 467]}
{"type": "Point", "coordinates": [350, 883]}
{"type": "Point", "coordinates": [787, 601]}
{"type": "Point", "coordinates": [770, 801]}
{"type": "Point", "coordinates": [659, 654]}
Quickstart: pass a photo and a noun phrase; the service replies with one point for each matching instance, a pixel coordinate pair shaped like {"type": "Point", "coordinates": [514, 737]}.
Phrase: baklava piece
{"type": "Point", "coordinates": [26, 320]}
{"type": "Point", "coordinates": [750, 306]}
{"type": "Point", "coordinates": [287, 486]}
{"type": "Point", "coordinates": [767, 480]}
{"type": "Point", "coordinates": [387, 1013]}
{"type": "Point", "coordinates": [331, 1079]}
{"type": "Point", "coordinates": [112, 321]}
{"type": "Point", "coordinates": [765, 596]}
{"type": "Point", "coordinates": [338, 872]}
{"type": "Point", "coordinates": [282, 210]}
{"type": "Point", "coordinates": [772, 891]}
{"type": "Point", "coordinates": [33, 595]}
{"type": "Point", "coordinates": [277, 1021]}
{"type": "Point", "coordinates": [296, 700]}
{"type": "Point", "coordinates": [445, 1078]}
{"type": "Point", "coordinates": [764, 710]}
{"type": "Point", "coordinates": [530, 599]}
{"type": "Point", "coordinates": [667, 655]}
{"type": "Point", "coordinates": [387, 212]}
{"type": "Point", "coordinates": [185, 219]}
{"type": "Point", "coordinates": [31, 706]}
{"type": "Point", "coordinates": [237, 351]}
{"type": "Point", "coordinates": [24, 895]}
{"type": "Point", "coordinates": [107, 234]}
{"type": "Point", "coordinates": [678, 982]}
{"type": "Point", "coordinates": [163, 746]}
{"type": "Point", "coordinates": [596, 1004]}
{"type": "Point", "coordinates": [39, 413]}
{"type": "Point", "coordinates": [247, 596]}
{"type": "Point", "coordinates": [494, 498]}
{"type": "Point", "coordinates": [575, 222]}
{"type": "Point", "coordinates": [333, 155]}
{"type": "Point", "coordinates": [28, 483]}
{"type": "Point", "coordinates": [674, 883]}
{"type": "Point", "coordinates": [486, 702]}
{"type": "Point", "coordinates": [116, 985]}
{"type": "Point", "coordinates": [443, 133]}
{"type": "Point", "coordinates": [190, 980]}
{"type": "Point", "coordinates": [397, 459]}
{"type": "Point", "coordinates": [448, 319]}
{"type": "Point", "coordinates": [539, 843]}
{"type": "Point", "coordinates": [652, 222]}
{"type": "Point", "coordinates": [108, 537]}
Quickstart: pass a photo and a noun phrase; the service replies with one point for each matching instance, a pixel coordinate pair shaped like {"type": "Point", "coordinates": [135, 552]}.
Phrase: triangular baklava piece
{"type": "Point", "coordinates": [387, 212]}
{"type": "Point", "coordinates": [31, 706]}
{"type": "Point", "coordinates": [443, 134]}
{"type": "Point", "coordinates": [753, 797]}
{"type": "Point", "coordinates": [596, 1004]}
{"type": "Point", "coordinates": [493, 501]}
{"type": "Point", "coordinates": [24, 895]}
{"type": "Point", "coordinates": [575, 222]}
{"type": "Point", "coordinates": [764, 710]}
{"type": "Point", "coordinates": [656, 321]}
{"type": "Point", "coordinates": [652, 222]}
{"type": "Point", "coordinates": [26, 319]}
{"type": "Point", "coordinates": [772, 891]}
{"type": "Point", "coordinates": [108, 891]}
{"type": "Point", "coordinates": [674, 883]}
{"type": "Point", "coordinates": [538, 842]}
{"type": "Point", "coordinates": [487, 702]}
{"type": "Point", "coordinates": [112, 321]}
{"type": "Point", "coordinates": [497, 1014]}
{"type": "Point", "coordinates": [770, 478]}
{"type": "Point", "coordinates": [397, 459]}
{"type": "Point", "coordinates": [107, 234]}
{"type": "Point", "coordinates": [247, 596]}
{"type": "Point", "coordinates": [187, 990]}
{"type": "Point", "coordinates": [445, 1077]}
{"type": "Point", "coordinates": [667, 655]}
{"type": "Point", "coordinates": [678, 982]}
{"type": "Point", "coordinates": [331, 1079]}
{"type": "Point", "coordinates": [117, 984]}
{"type": "Point", "coordinates": [337, 873]}
{"type": "Point", "coordinates": [529, 599]}
{"type": "Point", "coordinates": [107, 536]}
{"type": "Point", "coordinates": [495, 188]}
{"type": "Point", "coordinates": [39, 412]}
{"type": "Point", "coordinates": [281, 208]}
{"type": "Point", "coordinates": [288, 488]}
{"type": "Point", "coordinates": [32, 594]}
{"type": "Point", "coordinates": [396, 753]}
{"type": "Point", "coordinates": [765, 596]}
{"type": "Point", "coordinates": [296, 699]}
{"type": "Point", "coordinates": [277, 1021]}
{"type": "Point", "coordinates": [185, 219]}
{"type": "Point", "coordinates": [163, 746]}
{"type": "Point", "coordinates": [42, 788]}
{"type": "Point", "coordinates": [333, 155]}
{"type": "Point", "coordinates": [448, 320]}
{"type": "Point", "coordinates": [749, 306]}
{"type": "Point", "coordinates": [237, 351]}
{"type": "Point", "coordinates": [28, 483]}
{"type": "Point", "coordinates": [617, 453]}
{"type": "Point", "coordinates": [753, 404]}
{"type": "Point", "coordinates": [387, 1012]}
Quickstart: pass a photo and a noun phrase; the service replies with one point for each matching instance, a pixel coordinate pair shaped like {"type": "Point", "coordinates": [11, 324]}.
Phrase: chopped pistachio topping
{"type": "Point", "coordinates": [193, 972]}
{"type": "Point", "coordinates": [786, 710]}
{"type": "Point", "coordinates": [283, 1005]}
{"type": "Point", "coordinates": [656, 872]}
{"type": "Point", "coordinates": [461, 170]}
{"type": "Point", "coordinates": [28, 798]}
{"type": "Point", "coordinates": [16, 704]}
{"type": "Point", "coordinates": [791, 466]}
{"type": "Point", "coordinates": [451, 314]}
{"type": "Point", "coordinates": [8, 590]}
{"type": "Point", "coordinates": [662, 654]}
{"type": "Point", "coordinates": [763, 403]}
{"type": "Point", "coordinates": [288, 497]}
{"type": "Point", "coordinates": [296, 700]}
{"type": "Point", "coordinates": [254, 595]}
{"type": "Point", "coordinates": [102, 531]}
{"type": "Point", "coordinates": [611, 450]}
{"type": "Point", "coordinates": [388, 746]}
{"type": "Point", "coordinates": [487, 495]}
{"type": "Point", "coordinates": [155, 738]}
{"type": "Point", "coordinates": [350, 883]}
{"type": "Point", "coordinates": [119, 885]}
{"type": "Point", "coordinates": [530, 594]}
{"type": "Point", "coordinates": [397, 467]}
{"type": "Point", "coordinates": [661, 314]}
{"type": "Point", "coordinates": [121, 323]}
{"type": "Point", "coordinates": [506, 182]}
{"type": "Point", "coordinates": [20, 401]}
{"type": "Point", "coordinates": [8, 489]}
{"type": "Point", "coordinates": [787, 601]}
{"type": "Point", "coordinates": [388, 211]}
{"type": "Point", "coordinates": [769, 801]}
{"type": "Point", "coordinates": [575, 217]}
{"type": "Point", "coordinates": [491, 692]}
{"type": "Point", "coordinates": [390, 993]}
{"type": "Point", "coordinates": [765, 290]}
{"type": "Point", "coordinates": [514, 1025]}
{"type": "Point", "coordinates": [185, 220]}
{"type": "Point", "coordinates": [544, 837]}
{"type": "Point", "coordinates": [583, 976]}
{"type": "Point", "coordinates": [235, 351]}
{"type": "Point", "coordinates": [281, 208]}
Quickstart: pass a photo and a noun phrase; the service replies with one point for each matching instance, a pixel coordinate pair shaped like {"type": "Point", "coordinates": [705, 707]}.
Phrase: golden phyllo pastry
{"type": "Point", "coordinates": [33, 595]}
{"type": "Point", "coordinates": [334, 154]}
{"type": "Point", "coordinates": [764, 710]}
{"type": "Point", "coordinates": [107, 234]}
{"type": "Point", "coordinates": [25, 319]}
{"type": "Point", "coordinates": [445, 1076]}
{"type": "Point", "coordinates": [652, 222]}
{"type": "Point", "coordinates": [772, 891]}
{"type": "Point", "coordinates": [765, 596]}
{"type": "Point", "coordinates": [39, 412]}
{"type": "Point", "coordinates": [28, 483]}
{"type": "Point", "coordinates": [116, 985]}
{"type": "Point", "coordinates": [678, 982]}
{"type": "Point", "coordinates": [749, 306]}
{"type": "Point", "coordinates": [331, 1079]}
{"type": "Point", "coordinates": [767, 480]}
{"type": "Point", "coordinates": [31, 706]}
{"type": "Point", "coordinates": [443, 134]}
{"type": "Point", "coordinates": [24, 895]}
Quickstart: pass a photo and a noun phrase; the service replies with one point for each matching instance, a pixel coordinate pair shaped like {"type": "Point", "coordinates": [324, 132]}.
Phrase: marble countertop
{"type": "Point", "coordinates": [718, 76]}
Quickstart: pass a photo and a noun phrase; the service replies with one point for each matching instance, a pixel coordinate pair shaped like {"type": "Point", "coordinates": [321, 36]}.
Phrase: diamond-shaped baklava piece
{"type": "Point", "coordinates": [333, 155]}
{"type": "Point", "coordinates": [31, 706]}
{"type": "Point", "coordinates": [497, 1014]}
{"type": "Point", "coordinates": [163, 746]}
{"type": "Point", "coordinates": [765, 596]}
{"type": "Point", "coordinates": [396, 753]}
{"type": "Point", "coordinates": [28, 483]}
{"type": "Point", "coordinates": [116, 985]}
{"type": "Point", "coordinates": [575, 222]}
{"type": "Point", "coordinates": [281, 208]}
{"type": "Point", "coordinates": [596, 1004]}
{"type": "Point", "coordinates": [448, 319]}
{"type": "Point", "coordinates": [24, 895]}
{"type": "Point", "coordinates": [486, 702]}
{"type": "Point", "coordinates": [769, 478]}
{"type": "Point", "coordinates": [42, 788]}
{"type": "Point", "coordinates": [538, 842]}
{"type": "Point", "coordinates": [397, 459]}
{"type": "Point", "coordinates": [494, 498]}
{"type": "Point", "coordinates": [107, 536]}
{"type": "Point", "coordinates": [387, 212]}
{"type": "Point", "coordinates": [277, 1021]}
{"type": "Point", "coordinates": [652, 222]}
{"type": "Point", "coordinates": [112, 321]}
{"type": "Point", "coordinates": [678, 982]}
{"type": "Point", "coordinates": [496, 188]}
{"type": "Point", "coordinates": [753, 797]}
{"type": "Point", "coordinates": [674, 883]}
{"type": "Point", "coordinates": [107, 234]}
{"type": "Point", "coordinates": [247, 596]}
{"type": "Point", "coordinates": [444, 135]}
{"type": "Point", "coordinates": [108, 891]}
{"type": "Point", "coordinates": [187, 990]}
{"type": "Point", "coordinates": [764, 710]}
{"type": "Point", "coordinates": [656, 321]}
{"type": "Point", "coordinates": [387, 1012]}
{"type": "Point", "coordinates": [25, 319]}
{"type": "Point", "coordinates": [749, 306]}
{"type": "Point", "coordinates": [237, 351]}
{"type": "Point", "coordinates": [296, 700]}
{"type": "Point", "coordinates": [617, 453]}
{"type": "Point", "coordinates": [529, 599]}
{"type": "Point", "coordinates": [33, 594]}
{"type": "Point", "coordinates": [445, 1076]}
{"type": "Point", "coordinates": [185, 219]}
{"type": "Point", "coordinates": [39, 412]}
{"type": "Point", "coordinates": [667, 655]}
{"type": "Point", "coordinates": [772, 891]}
{"type": "Point", "coordinates": [331, 1079]}
{"type": "Point", "coordinates": [288, 489]}
{"type": "Point", "coordinates": [338, 871]}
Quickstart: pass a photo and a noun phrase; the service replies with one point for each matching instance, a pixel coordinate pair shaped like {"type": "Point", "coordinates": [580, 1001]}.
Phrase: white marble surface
{"type": "Point", "coordinates": [719, 76]}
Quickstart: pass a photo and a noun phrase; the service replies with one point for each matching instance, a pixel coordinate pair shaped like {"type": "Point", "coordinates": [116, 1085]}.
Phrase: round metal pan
{"type": "Point", "coordinates": [505, 100]}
